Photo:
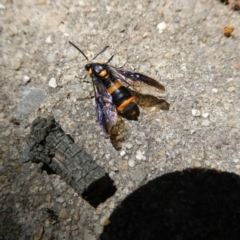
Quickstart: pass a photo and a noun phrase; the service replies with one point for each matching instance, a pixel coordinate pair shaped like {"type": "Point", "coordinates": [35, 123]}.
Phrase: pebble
{"type": "Point", "coordinates": [231, 89]}
{"type": "Point", "coordinates": [48, 198]}
{"type": "Point", "coordinates": [112, 174]}
{"type": "Point", "coordinates": [130, 184]}
{"type": "Point", "coordinates": [237, 166]}
{"type": "Point", "coordinates": [72, 211]}
{"type": "Point", "coordinates": [26, 79]}
{"type": "Point", "coordinates": [131, 163]}
{"type": "Point", "coordinates": [205, 115]}
{"type": "Point", "coordinates": [138, 175]}
{"type": "Point", "coordinates": [98, 229]}
{"type": "Point", "coordinates": [60, 199]}
{"type": "Point", "coordinates": [198, 164]}
{"type": "Point", "coordinates": [205, 123]}
{"type": "Point", "coordinates": [171, 145]}
{"type": "Point", "coordinates": [95, 217]}
{"type": "Point", "coordinates": [122, 165]}
{"type": "Point", "coordinates": [48, 39]}
{"type": "Point", "coordinates": [122, 153]}
{"type": "Point", "coordinates": [76, 216]}
{"type": "Point", "coordinates": [47, 223]}
{"type": "Point", "coordinates": [52, 83]}
{"type": "Point", "coordinates": [128, 145]}
{"type": "Point", "coordinates": [161, 26]}
{"type": "Point", "coordinates": [104, 221]}
{"type": "Point", "coordinates": [207, 162]}
{"type": "Point", "coordinates": [168, 55]}
{"type": "Point", "coordinates": [111, 205]}
{"type": "Point", "coordinates": [162, 153]}
{"type": "Point", "coordinates": [145, 35]}
{"type": "Point", "coordinates": [24, 157]}
{"type": "Point", "coordinates": [24, 20]}
{"type": "Point", "coordinates": [74, 227]}
{"type": "Point", "coordinates": [17, 205]}
{"type": "Point", "coordinates": [16, 63]}
{"type": "Point", "coordinates": [38, 234]}
{"type": "Point", "coordinates": [62, 215]}
{"type": "Point", "coordinates": [139, 155]}
{"type": "Point", "coordinates": [215, 90]}
{"type": "Point", "coordinates": [2, 6]}
{"type": "Point", "coordinates": [196, 112]}
{"type": "Point", "coordinates": [189, 160]}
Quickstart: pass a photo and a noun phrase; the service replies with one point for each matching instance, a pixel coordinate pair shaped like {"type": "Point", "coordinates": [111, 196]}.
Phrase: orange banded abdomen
{"type": "Point", "coordinates": [124, 101]}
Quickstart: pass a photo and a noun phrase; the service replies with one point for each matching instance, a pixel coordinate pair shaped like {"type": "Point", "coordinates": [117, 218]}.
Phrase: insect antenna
{"type": "Point", "coordinates": [79, 50]}
{"type": "Point", "coordinates": [100, 52]}
{"type": "Point", "coordinates": [110, 59]}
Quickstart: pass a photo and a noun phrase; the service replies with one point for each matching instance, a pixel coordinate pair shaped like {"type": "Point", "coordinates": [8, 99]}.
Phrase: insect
{"type": "Point", "coordinates": [112, 87]}
{"type": "Point", "coordinates": [51, 213]}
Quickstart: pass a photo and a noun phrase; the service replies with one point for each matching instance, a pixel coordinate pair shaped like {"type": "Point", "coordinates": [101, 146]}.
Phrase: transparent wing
{"type": "Point", "coordinates": [137, 81]}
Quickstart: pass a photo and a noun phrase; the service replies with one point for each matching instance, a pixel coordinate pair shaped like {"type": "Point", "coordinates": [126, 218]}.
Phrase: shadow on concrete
{"type": "Point", "coordinates": [193, 204]}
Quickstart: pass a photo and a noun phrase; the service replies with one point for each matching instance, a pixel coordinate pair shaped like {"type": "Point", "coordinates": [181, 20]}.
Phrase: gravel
{"type": "Point", "coordinates": [163, 185]}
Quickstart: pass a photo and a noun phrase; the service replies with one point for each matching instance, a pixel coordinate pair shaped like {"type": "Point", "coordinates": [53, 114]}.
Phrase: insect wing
{"type": "Point", "coordinates": [137, 81]}
{"type": "Point", "coordinates": [106, 111]}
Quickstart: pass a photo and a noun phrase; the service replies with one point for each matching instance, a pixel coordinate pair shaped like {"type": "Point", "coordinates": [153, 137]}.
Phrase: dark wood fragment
{"type": "Point", "coordinates": [49, 145]}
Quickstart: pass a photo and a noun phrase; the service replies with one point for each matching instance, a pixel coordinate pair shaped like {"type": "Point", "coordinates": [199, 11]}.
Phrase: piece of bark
{"type": "Point", "coordinates": [49, 145]}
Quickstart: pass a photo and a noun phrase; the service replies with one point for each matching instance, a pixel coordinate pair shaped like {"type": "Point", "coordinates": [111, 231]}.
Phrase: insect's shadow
{"type": "Point", "coordinates": [119, 131]}
{"type": "Point", "coordinates": [147, 101]}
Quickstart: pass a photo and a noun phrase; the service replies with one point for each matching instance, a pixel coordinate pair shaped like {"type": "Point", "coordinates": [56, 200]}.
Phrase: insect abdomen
{"type": "Point", "coordinates": [124, 101]}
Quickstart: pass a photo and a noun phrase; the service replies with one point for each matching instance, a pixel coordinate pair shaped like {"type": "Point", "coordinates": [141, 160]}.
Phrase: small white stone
{"type": "Point", "coordinates": [139, 155]}
{"type": "Point", "coordinates": [215, 90]}
{"type": "Point", "coordinates": [60, 199]}
{"type": "Point", "coordinates": [161, 26]}
{"type": "Point", "coordinates": [205, 115]}
{"type": "Point", "coordinates": [2, 6]}
{"type": "Point", "coordinates": [81, 3]}
{"type": "Point", "coordinates": [131, 163]}
{"type": "Point", "coordinates": [128, 145]}
{"type": "Point", "coordinates": [192, 131]}
{"type": "Point", "coordinates": [122, 153]}
{"type": "Point", "coordinates": [52, 83]}
{"type": "Point", "coordinates": [104, 221]}
{"type": "Point", "coordinates": [26, 79]}
{"type": "Point", "coordinates": [48, 39]}
{"type": "Point", "coordinates": [196, 113]}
